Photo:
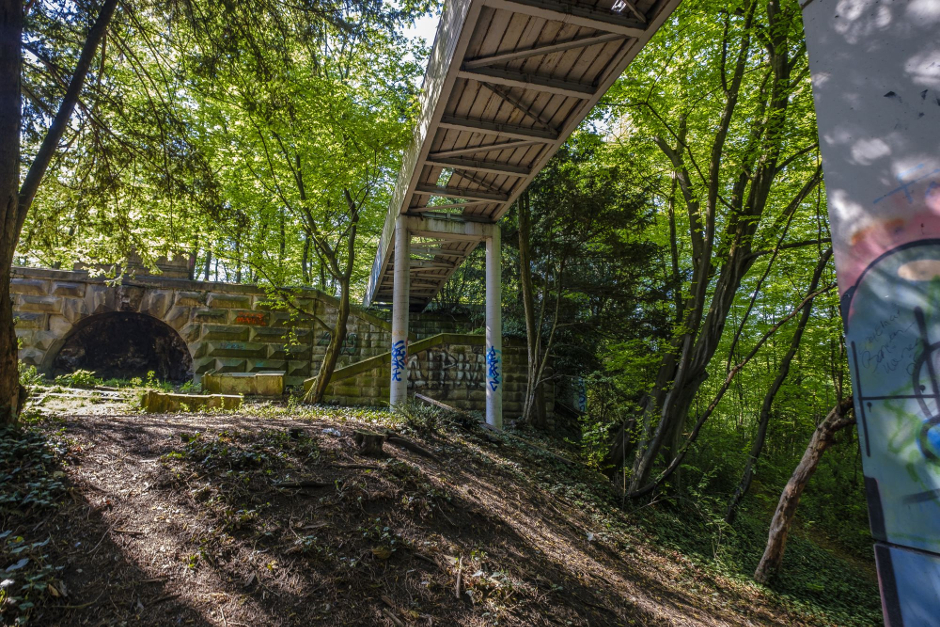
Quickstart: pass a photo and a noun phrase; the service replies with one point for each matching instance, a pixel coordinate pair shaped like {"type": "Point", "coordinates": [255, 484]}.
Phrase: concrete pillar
{"type": "Point", "coordinates": [400, 302]}
{"type": "Point", "coordinates": [494, 332]}
{"type": "Point", "coordinates": [876, 85]}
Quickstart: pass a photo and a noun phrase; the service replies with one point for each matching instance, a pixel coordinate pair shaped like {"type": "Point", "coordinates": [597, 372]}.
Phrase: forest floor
{"type": "Point", "coordinates": [127, 518]}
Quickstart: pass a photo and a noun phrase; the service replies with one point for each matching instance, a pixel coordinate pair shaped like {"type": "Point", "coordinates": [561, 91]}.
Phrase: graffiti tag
{"type": "Point", "coordinates": [350, 344]}
{"type": "Point", "coordinates": [493, 359]}
{"type": "Point", "coordinates": [256, 319]}
{"type": "Point", "coordinates": [905, 188]}
{"type": "Point", "coordinates": [399, 354]}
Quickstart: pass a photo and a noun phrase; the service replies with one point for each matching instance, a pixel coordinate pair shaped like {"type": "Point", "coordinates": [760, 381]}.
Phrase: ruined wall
{"type": "Point", "coordinates": [451, 373]}
{"type": "Point", "coordinates": [227, 328]}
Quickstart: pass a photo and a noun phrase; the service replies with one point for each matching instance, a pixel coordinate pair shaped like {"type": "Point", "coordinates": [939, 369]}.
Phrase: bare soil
{"type": "Point", "coordinates": [181, 520]}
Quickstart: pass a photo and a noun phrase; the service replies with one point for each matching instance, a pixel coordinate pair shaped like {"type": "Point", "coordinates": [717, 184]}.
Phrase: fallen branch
{"type": "Point", "coordinates": [404, 443]}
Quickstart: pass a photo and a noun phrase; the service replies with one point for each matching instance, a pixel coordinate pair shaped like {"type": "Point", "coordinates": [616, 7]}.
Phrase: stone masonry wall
{"type": "Point", "coordinates": [227, 327]}
{"type": "Point", "coordinates": [451, 373]}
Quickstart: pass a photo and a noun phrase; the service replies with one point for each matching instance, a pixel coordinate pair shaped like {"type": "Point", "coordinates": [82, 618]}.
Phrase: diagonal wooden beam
{"type": "Point", "coordinates": [518, 104]}
{"type": "Point", "coordinates": [574, 13]}
{"type": "Point", "coordinates": [580, 42]}
{"type": "Point", "coordinates": [467, 176]}
{"type": "Point", "coordinates": [509, 78]}
{"type": "Point", "coordinates": [620, 5]}
{"type": "Point", "coordinates": [495, 128]}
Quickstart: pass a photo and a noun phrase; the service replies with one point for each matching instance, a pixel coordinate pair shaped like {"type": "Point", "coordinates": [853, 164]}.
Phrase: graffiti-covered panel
{"type": "Point", "coordinates": [875, 68]}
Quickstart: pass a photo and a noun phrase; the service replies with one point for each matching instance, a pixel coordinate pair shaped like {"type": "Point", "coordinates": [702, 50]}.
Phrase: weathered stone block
{"type": "Point", "coordinates": [287, 351]}
{"type": "Point", "coordinates": [160, 402]}
{"type": "Point", "coordinates": [74, 309]}
{"type": "Point", "coordinates": [270, 335]}
{"type": "Point", "coordinates": [229, 301]}
{"type": "Point", "coordinates": [28, 286]}
{"type": "Point", "coordinates": [28, 320]}
{"type": "Point", "coordinates": [250, 318]}
{"type": "Point", "coordinates": [268, 365]}
{"type": "Point", "coordinates": [215, 316]}
{"type": "Point", "coordinates": [237, 349]}
{"type": "Point", "coordinates": [225, 332]}
{"type": "Point", "coordinates": [231, 365]}
{"type": "Point", "coordinates": [156, 303]}
{"type": "Point", "coordinates": [178, 317]}
{"type": "Point", "coordinates": [294, 382]}
{"type": "Point", "coordinates": [47, 304]}
{"type": "Point", "coordinates": [190, 299]}
{"type": "Point", "coordinates": [75, 290]}
{"type": "Point", "coordinates": [204, 365]}
{"type": "Point", "coordinates": [298, 368]}
{"type": "Point", "coordinates": [31, 356]}
{"type": "Point", "coordinates": [258, 384]}
{"type": "Point", "coordinates": [59, 325]}
{"type": "Point", "coordinates": [101, 298]}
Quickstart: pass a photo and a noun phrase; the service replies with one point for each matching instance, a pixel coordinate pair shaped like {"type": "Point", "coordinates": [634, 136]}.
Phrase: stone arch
{"type": "Point", "coordinates": [122, 344]}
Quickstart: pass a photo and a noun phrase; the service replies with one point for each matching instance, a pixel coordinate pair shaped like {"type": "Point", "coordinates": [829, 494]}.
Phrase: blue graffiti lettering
{"type": "Point", "coordinates": [399, 353]}
{"type": "Point", "coordinates": [906, 187]}
{"type": "Point", "coordinates": [493, 362]}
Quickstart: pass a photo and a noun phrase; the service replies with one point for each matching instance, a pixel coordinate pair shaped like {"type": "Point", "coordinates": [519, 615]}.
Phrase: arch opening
{"type": "Point", "coordinates": [121, 345]}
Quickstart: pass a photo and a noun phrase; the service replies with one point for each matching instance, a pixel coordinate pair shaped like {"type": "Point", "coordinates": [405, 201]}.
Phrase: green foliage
{"type": "Point", "coordinates": [78, 379]}
{"type": "Point", "coordinates": [29, 375]}
{"type": "Point", "coordinates": [31, 480]}
{"type": "Point", "coordinates": [819, 581]}
{"type": "Point", "coordinates": [421, 417]}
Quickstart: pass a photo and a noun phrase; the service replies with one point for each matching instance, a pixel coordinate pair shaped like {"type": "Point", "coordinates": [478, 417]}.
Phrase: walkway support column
{"type": "Point", "coordinates": [494, 331]}
{"type": "Point", "coordinates": [398, 390]}
{"type": "Point", "coordinates": [876, 85]}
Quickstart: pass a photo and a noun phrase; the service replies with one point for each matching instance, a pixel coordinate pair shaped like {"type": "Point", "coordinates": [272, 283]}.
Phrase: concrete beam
{"type": "Point", "coordinates": [572, 13]}
{"type": "Point", "coordinates": [530, 81]}
{"type": "Point", "coordinates": [449, 229]}
{"type": "Point", "coordinates": [580, 42]}
{"type": "Point", "coordinates": [513, 131]}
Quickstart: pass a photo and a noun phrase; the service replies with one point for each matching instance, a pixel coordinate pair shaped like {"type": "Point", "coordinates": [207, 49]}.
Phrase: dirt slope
{"type": "Point", "coordinates": [179, 520]}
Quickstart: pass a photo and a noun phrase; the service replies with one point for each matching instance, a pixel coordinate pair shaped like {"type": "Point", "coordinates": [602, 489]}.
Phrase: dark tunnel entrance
{"type": "Point", "coordinates": [124, 345]}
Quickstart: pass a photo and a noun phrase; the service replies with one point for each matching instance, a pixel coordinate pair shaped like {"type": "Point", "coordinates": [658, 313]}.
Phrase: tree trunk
{"type": "Point", "coordinates": [11, 28]}
{"type": "Point", "coordinates": [534, 405]}
{"type": "Point", "coordinates": [765, 413]}
{"type": "Point", "coordinates": [790, 498]}
{"type": "Point", "coordinates": [337, 339]}
{"type": "Point", "coordinates": [16, 199]}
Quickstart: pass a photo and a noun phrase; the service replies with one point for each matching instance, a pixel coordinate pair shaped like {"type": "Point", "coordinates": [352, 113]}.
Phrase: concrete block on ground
{"type": "Point", "coordinates": [257, 384]}
{"type": "Point", "coordinates": [155, 402]}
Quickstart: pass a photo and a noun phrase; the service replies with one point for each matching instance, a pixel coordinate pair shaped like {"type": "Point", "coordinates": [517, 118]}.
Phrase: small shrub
{"type": "Point", "coordinates": [191, 387]}
{"type": "Point", "coordinates": [78, 379]}
{"type": "Point", "coordinates": [29, 376]}
{"type": "Point", "coordinates": [419, 416]}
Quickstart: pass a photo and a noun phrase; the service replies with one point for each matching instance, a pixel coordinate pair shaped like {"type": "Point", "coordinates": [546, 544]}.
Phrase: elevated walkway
{"type": "Point", "coordinates": [507, 82]}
